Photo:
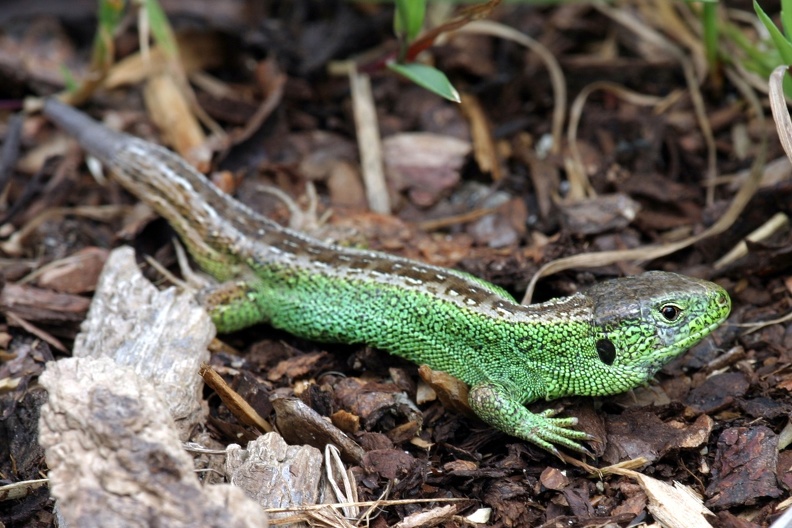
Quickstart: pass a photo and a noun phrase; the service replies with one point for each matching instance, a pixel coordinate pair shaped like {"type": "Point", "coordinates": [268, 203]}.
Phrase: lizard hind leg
{"type": "Point", "coordinates": [193, 279]}
{"type": "Point", "coordinates": [230, 307]}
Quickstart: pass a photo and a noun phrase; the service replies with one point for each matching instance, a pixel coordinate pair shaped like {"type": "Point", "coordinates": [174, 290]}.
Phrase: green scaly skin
{"type": "Point", "coordinates": [608, 340]}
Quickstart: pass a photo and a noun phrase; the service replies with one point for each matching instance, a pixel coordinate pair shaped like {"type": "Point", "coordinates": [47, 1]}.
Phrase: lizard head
{"type": "Point", "coordinates": [642, 322]}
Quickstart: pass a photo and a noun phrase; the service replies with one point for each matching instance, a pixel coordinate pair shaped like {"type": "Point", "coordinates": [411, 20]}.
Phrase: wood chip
{"type": "Point", "coordinates": [274, 474]}
{"type": "Point", "coordinates": [300, 424]}
{"type": "Point", "coordinates": [115, 457]}
{"type": "Point", "coordinates": [77, 273]}
{"type": "Point", "coordinates": [163, 335]}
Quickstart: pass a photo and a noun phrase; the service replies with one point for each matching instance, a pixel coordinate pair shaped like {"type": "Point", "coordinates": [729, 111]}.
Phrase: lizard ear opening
{"type": "Point", "coordinates": [606, 351]}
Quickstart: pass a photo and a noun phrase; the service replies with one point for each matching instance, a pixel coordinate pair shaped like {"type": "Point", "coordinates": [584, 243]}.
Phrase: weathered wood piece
{"type": "Point", "coordinates": [115, 457]}
{"type": "Point", "coordinates": [162, 335]}
{"type": "Point", "coordinates": [117, 412]}
{"type": "Point", "coordinates": [275, 474]}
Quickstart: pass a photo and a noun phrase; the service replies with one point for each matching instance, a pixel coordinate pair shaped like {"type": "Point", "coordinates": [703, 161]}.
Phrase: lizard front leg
{"type": "Point", "coordinates": [497, 406]}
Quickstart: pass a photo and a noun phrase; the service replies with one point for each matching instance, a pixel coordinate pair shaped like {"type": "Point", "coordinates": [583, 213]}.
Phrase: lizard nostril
{"type": "Point", "coordinates": [722, 299]}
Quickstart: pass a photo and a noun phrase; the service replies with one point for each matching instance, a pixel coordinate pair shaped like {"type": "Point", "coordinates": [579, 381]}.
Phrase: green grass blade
{"type": "Point", "coordinates": [782, 44]}
{"type": "Point", "coordinates": [763, 61]}
{"type": "Point", "coordinates": [409, 18]}
{"type": "Point", "coordinates": [786, 17]}
{"type": "Point", "coordinates": [161, 29]}
{"type": "Point", "coordinates": [109, 16]}
{"type": "Point", "coordinates": [710, 26]}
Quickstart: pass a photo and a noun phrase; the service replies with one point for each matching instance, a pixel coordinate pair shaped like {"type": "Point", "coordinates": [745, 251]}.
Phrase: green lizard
{"type": "Point", "coordinates": [608, 340]}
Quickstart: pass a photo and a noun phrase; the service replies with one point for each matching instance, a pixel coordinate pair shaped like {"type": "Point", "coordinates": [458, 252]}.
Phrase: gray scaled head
{"type": "Point", "coordinates": [642, 322]}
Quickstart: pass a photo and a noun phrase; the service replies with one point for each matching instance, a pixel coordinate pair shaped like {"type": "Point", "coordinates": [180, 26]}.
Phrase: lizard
{"type": "Point", "coordinates": [608, 339]}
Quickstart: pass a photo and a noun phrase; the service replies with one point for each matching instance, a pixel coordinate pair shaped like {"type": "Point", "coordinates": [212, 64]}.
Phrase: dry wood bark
{"type": "Point", "coordinates": [109, 427]}
{"type": "Point", "coordinates": [115, 457]}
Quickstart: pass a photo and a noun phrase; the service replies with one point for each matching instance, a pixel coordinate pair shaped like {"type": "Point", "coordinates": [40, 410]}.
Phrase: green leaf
{"type": "Point", "coordinates": [69, 81]}
{"type": "Point", "coordinates": [782, 44]}
{"type": "Point", "coordinates": [161, 28]}
{"type": "Point", "coordinates": [427, 77]}
{"type": "Point", "coordinates": [409, 18]}
{"type": "Point", "coordinates": [109, 16]}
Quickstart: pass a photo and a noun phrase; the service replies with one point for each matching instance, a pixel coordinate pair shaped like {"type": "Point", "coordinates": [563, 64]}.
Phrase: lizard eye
{"type": "Point", "coordinates": [670, 312]}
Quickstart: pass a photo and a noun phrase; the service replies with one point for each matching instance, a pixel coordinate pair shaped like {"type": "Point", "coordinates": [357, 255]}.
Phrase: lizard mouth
{"type": "Point", "coordinates": [689, 342]}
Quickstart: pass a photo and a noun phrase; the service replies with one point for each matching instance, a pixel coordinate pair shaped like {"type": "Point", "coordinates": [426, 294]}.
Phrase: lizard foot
{"type": "Point", "coordinates": [493, 404]}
